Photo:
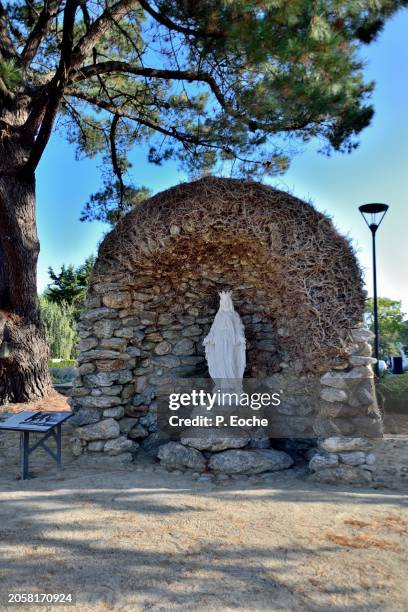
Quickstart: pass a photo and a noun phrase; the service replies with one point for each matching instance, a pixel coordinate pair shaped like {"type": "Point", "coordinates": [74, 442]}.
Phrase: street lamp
{"type": "Point", "coordinates": [373, 214]}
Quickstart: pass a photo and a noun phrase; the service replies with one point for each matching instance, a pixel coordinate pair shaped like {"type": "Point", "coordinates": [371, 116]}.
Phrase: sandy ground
{"type": "Point", "coordinates": [53, 402]}
{"type": "Point", "coordinates": [138, 538]}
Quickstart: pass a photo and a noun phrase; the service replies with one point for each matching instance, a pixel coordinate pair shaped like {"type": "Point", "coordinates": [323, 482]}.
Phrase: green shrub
{"type": "Point", "coordinates": [394, 389]}
{"type": "Point", "coordinates": [59, 320]}
{"type": "Point", "coordinates": [396, 385]}
{"type": "Point", "coordinates": [62, 374]}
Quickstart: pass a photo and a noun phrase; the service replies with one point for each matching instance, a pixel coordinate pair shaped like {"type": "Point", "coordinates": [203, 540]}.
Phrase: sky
{"type": "Point", "coordinates": [376, 172]}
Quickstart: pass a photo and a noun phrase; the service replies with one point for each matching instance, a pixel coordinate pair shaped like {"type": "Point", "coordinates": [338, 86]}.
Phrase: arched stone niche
{"type": "Point", "coordinates": [296, 285]}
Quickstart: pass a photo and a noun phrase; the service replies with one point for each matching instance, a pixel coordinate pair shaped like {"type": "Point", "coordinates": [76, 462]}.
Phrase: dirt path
{"type": "Point", "coordinates": [142, 539]}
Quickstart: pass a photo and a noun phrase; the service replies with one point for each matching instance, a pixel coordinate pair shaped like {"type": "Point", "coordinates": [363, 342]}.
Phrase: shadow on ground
{"type": "Point", "coordinates": [139, 540]}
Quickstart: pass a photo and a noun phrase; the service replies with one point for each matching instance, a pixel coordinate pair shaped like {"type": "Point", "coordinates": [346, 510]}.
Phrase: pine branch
{"type": "Point", "coordinates": [50, 10]}
{"type": "Point", "coordinates": [87, 72]}
{"type": "Point", "coordinates": [97, 29]}
{"type": "Point", "coordinates": [187, 75]}
{"type": "Point", "coordinates": [172, 132]}
{"type": "Point", "coordinates": [55, 90]}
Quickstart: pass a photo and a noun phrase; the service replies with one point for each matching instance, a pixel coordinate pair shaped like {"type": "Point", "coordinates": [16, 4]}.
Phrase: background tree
{"type": "Point", "coordinates": [393, 330]}
{"type": "Point", "coordinates": [69, 286]}
{"type": "Point", "coordinates": [211, 82]}
{"type": "Point", "coordinates": [59, 321]}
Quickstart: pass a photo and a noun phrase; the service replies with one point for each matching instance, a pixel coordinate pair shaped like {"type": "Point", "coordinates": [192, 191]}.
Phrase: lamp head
{"type": "Point", "coordinates": [373, 214]}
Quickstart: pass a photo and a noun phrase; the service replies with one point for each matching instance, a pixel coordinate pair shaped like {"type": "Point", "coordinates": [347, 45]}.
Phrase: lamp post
{"type": "Point", "coordinates": [373, 214]}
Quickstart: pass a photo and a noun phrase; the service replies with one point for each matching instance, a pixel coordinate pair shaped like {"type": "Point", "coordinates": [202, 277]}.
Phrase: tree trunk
{"type": "Point", "coordinates": [24, 353]}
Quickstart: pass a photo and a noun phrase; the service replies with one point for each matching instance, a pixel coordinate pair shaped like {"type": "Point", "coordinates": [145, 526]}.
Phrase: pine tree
{"type": "Point", "coordinates": [69, 286]}
{"type": "Point", "coordinates": [393, 331]}
{"type": "Point", "coordinates": [212, 83]}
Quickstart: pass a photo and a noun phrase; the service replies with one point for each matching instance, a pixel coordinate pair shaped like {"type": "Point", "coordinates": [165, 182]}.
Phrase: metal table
{"type": "Point", "coordinates": [47, 423]}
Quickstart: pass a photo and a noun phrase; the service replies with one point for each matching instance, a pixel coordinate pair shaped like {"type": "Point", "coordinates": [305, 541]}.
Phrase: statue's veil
{"type": "Point", "coordinates": [225, 342]}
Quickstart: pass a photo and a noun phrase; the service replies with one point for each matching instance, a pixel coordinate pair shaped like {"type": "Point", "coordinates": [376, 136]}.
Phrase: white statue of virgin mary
{"type": "Point", "coordinates": [225, 342]}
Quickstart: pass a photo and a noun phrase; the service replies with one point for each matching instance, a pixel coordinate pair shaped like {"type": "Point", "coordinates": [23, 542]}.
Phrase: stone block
{"type": "Point", "coordinates": [137, 432]}
{"type": "Point", "coordinates": [78, 392]}
{"type": "Point", "coordinates": [126, 424]}
{"type": "Point", "coordinates": [87, 343]}
{"type": "Point", "coordinates": [184, 347]}
{"type": "Point", "coordinates": [85, 416]}
{"type": "Point", "coordinates": [249, 461]}
{"type": "Point", "coordinates": [106, 379]}
{"type": "Point", "coordinates": [86, 368]}
{"type": "Point", "coordinates": [353, 458]}
{"type": "Point", "coordinates": [96, 446]}
{"type": "Point", "coordinates": [192, 359]}
{"type": "Point", "coordinates": [191, 330]}
{"type": "Point", "coordinates": [96, 314]}
{"type": "Point", "coordinates": [118, 299]}
{"type": "Point", "coordinates": [123, 332]}
{"type": "Point", "coordinates": [105, 328]}
{"type": "Point", "coordinates": [112, 390]}
{"type": "Point", "coordinates": [115, 412]}
{"type": "Point", "coordinates": [77, 447]}
{"type": "Point", "coordinates": [177, 456]}
{"type": "Point", "coordinates": [112, 365]}
{"type": "Point", "coordinates": [335, 410]}
{"type": "Point", "coordinates": [185, 319]}
{"type": "Point", "coordinates": [215, 440]}
{"type": "Point", "coordinates": [140, 384]}
{"type": "Point", "coordinates": [339, 444]}
{"type": "Point", "coordinates": [153, 337]}
{"type": "Point", "coordinates": [120, 445]}
{"type": "Point", "coordinates": [145, 397]}
{"type": "Point", "coordinates": [165, 319]}
{"type": "Point", "coordinates": [171, 334]}
{"type": "Point", "coordinates": [95, 354]}
{"type": "Point", "coordinates": [128, 391]}
{"type": "Point", "coordinates": [166, 361]}
{"type": "Point", "coordinates": [341, 379]}
{"type": "Point", "coordinates": [362, 335]}
{"type": "Point", "coordinates": [343, 474]}
{"type": "Point", "coordinates": [151, 444]}
{"type": "Point", "coordinates": [103, 401]}
{"type": "Point", "coordinates": [103, 430]}
{"type": "Point", "coordinates": [162, 348]}
{"type": "Point", "coordinates": [332, 394]}
{"type": "Point", "coordinates": [115, 344]}
{"type": "Point", "coordinates": [147, 318]}
{"type": "Point", "coordinates": [149, 421]}
{"type": "Point", "coordinates": [92, 301]}
{"type": "Point", "coordinates": [362, 360]}
{"type": "Point", "coordinates": [133, 351]}
{"type": "Point", "coordinates": [319, 461]}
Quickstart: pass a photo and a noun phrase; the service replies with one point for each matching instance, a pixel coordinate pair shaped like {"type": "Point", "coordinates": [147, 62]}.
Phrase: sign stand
{"type": "Point", "coordinates": [48, 423]}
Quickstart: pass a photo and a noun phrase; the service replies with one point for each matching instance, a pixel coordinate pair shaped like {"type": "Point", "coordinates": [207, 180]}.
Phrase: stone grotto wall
{"type": "Point", "coordinates": [297, 288]}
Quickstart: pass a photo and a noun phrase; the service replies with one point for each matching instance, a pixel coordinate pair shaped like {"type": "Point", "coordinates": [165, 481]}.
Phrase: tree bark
{"type": "Point", "coordinates": [24, 353]}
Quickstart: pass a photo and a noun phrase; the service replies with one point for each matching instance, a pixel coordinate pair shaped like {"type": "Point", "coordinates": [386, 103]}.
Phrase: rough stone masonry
{"type": "Point", "coordinates": [297, 288]}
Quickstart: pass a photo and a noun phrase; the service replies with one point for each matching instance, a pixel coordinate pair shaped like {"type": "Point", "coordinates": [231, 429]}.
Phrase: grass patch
{"type": "Point", "coordinates": [62, 364]}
